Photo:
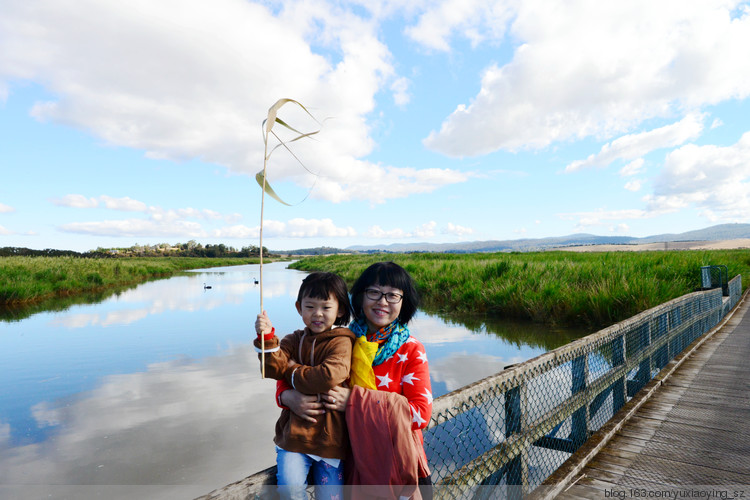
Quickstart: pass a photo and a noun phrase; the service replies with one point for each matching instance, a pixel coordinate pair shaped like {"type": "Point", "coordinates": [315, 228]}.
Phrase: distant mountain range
{"type": "Point", "coordinates": [713, 233]}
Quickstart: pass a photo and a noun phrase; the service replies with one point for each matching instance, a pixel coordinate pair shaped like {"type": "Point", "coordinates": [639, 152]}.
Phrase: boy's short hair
{"type": "Point", "coordinates": [320, 285]}
{"type": "Point", "coordinates": [387, 274]}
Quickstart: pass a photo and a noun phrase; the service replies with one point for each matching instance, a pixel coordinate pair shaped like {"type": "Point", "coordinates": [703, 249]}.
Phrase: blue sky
{"type": "Point", "coordinates": [443, 121]}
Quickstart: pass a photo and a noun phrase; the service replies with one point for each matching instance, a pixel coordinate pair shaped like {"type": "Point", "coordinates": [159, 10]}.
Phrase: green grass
{"type": "Point", "coordinates": [25, 280]}
{"type": "Point", "coordinates": [563, 288]}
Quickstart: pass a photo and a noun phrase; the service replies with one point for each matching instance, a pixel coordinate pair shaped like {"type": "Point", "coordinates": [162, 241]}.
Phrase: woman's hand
{"type": "Point", "coordinates": [336, 398]}
{"type": "Point", "coordinates": [305, 407]}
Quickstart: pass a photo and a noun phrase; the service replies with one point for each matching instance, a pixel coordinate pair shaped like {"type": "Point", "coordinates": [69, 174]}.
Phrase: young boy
{"type": "Point", "coordinates": [312, 361]}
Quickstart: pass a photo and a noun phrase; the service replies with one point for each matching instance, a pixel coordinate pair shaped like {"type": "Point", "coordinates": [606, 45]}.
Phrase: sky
{"type": "Point", "coordinates": [140, 122]}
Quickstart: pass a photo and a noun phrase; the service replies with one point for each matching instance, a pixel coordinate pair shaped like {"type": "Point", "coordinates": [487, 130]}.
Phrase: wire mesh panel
{"type": "Point", "coordinates": [514, 429]}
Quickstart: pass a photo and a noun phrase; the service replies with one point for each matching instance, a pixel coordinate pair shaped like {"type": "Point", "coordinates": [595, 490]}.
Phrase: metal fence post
{"type": "Point", "coordinates": [579, 425]}
{"type": "Point", "coordinates": [517, 476]}
{"type": "Point", "coordinates": [618, 359]}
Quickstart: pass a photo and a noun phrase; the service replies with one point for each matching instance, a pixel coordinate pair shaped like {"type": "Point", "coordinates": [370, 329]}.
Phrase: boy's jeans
{"type": "Point", "coordinates": [291, 476]}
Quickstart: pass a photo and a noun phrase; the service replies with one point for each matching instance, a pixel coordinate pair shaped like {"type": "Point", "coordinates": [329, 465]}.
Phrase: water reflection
{"type": "Point", "coordinates": [181, 422]}
{"type": "Point", "coordinates": [159, 385]}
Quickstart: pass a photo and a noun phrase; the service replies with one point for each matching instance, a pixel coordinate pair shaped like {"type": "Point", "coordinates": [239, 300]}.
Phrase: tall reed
{"type": "Point", "coordinates": [27, 279]}
{"type": "Point", "coordinates": [574, 289]}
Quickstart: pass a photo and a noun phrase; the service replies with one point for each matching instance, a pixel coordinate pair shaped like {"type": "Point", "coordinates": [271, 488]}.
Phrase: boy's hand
{"type": "Point", "coordinates": [263, 325]}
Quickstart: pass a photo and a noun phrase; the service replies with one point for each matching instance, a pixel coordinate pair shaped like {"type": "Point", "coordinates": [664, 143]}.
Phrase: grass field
{"type": "Point", "coordinates": [25, 280]}
{"type": "Point", "coordinates": [572, 289]}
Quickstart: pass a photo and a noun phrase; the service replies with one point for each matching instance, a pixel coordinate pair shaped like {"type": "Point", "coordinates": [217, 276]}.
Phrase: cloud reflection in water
{"type": "Point", "coordinates": [181, 422]}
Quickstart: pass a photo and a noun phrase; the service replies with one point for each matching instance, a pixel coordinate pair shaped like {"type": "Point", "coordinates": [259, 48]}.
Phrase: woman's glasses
{"type": "Point", "coordinates": [390, 297]}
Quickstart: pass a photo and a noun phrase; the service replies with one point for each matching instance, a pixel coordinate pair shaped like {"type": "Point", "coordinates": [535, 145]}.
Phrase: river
{"type": "Point", "coordinates": [156, 391]}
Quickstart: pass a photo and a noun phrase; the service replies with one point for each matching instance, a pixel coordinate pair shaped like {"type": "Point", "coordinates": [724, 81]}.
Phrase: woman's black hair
{"type": "Point", "coordinates": [320, 285]}
{"type": "Point", "coordinates": [386, 274]}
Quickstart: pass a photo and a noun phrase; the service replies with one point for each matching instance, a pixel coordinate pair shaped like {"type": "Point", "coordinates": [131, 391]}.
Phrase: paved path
{"type": "Point", "coordinates": [692, 435]}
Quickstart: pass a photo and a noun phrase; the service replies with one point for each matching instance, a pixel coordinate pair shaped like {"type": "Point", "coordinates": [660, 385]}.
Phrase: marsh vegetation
{"type": "Point", "coordinates": [28, 280]}
{"type": "Point", "coordinates": [562, 288]}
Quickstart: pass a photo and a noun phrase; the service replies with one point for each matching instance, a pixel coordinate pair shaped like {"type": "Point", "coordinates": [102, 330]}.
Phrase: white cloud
{"type": "Point", "coordinates": [426, 230]}
{"type": "Point", "coordinates": [6, 209]}
{"type": "Point", "coordinates": [634, 185]}
{"type": "Point", "coordinates": [4, 231]}
{"type": "Point", "coordinates": [635, 145]}
{"type": "Point", "coordinates": [400, 89]}
{"type": "Point", "coordinates": [137, 228]}
{"type": "Point", "coordinates": [172, 78]}
{"type": "Point", "coordinates": [600, 218]}
{"type": "Point", "coordinates": [477, 20]}
{"type": "Point", "coordinates": [586, 68]}
{"type": "Point", "coordinates": [451, 228]}
{"type": "Point", "coordinates": [713, 179]}
{"type": "Point", "coordinates": [620, 228]}
{"type": "Point", "coordinates": [125, 204]}
{"type": "Point", "coordinates": [378, 232]}
{"type": "Point", "coordinates": [76, 201]}
{"type": "Point", "coordinates": [294, 228]}
{"type": "Point", "coordinates": [635, 167]}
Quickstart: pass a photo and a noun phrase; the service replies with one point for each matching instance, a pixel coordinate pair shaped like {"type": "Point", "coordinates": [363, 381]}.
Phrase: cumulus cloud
{"type": "Point", "coordinates": [586, 68]}
{"type": "Point", "coordinates": [158, 221]}
{"type": "Point", "coordinates": [425, 230]}
{"type": "Point", "coordinates": [633, 185]}
{"type": "Point", "coordinates": [451, 228]}
{"type": "Point", "coordinates": [137, 227]}
{"type": "Point", "coordinates": [713, 179]}
{"type": "Point", "coordinates": [400, 89]}
{"type": "Point", "coordinates": [294, 228]}
{"type": "Point", "coordinates": [182, 79]}
{"type": "Point", "coordinates": [6, 209]}
{"type": "Point", "coordinates": [76, 201]}
{"type": "Point", "coordinates": [635, 145]}
{"type": "Point", "coordinates": [476, 20]}
{"type": "Point", "coordinates": [125, 204]}
{"type": "Point", "coordinates": [635, 167]}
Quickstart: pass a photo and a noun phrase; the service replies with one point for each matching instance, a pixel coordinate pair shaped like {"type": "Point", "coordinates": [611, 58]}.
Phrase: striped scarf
{"type": "Point", "coordinates": [391, 337]}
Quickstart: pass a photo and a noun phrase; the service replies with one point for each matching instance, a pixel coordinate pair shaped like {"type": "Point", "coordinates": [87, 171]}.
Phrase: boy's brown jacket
{"type": "Point", "coordinates": [324, 361]}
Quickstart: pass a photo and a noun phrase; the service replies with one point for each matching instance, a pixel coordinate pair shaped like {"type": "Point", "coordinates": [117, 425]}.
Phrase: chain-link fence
{"type": "Point", "coordinates": [513, 429]}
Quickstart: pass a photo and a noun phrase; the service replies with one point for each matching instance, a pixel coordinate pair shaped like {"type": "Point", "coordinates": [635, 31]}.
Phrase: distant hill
{"type": "Point", "coordinates": [713, 233]}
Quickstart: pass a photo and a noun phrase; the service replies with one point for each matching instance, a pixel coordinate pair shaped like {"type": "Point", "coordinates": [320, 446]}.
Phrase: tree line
{"type": "Point", "coordinates": [189, 249]}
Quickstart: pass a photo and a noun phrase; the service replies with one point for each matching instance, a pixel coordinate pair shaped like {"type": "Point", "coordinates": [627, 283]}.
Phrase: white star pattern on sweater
{"type": "Point", "coordinates": [410, 340]}
{"type": "Point", "coordinates": [428, 395]}
{"type": "Point", "coordinates": [384, 380]}
{"type": "Point", "coordinates": [402, 358]}
{"type": "Point", "coordinates": [409, 379]}
{"type": "Point", "coordinates": [422, 356]}
{"type": "Point", "coordinates": [416, 417]}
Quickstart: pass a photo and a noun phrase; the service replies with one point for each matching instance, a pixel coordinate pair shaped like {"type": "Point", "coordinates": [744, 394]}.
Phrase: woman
{"type": "Point", "coordinates": [384, 299]}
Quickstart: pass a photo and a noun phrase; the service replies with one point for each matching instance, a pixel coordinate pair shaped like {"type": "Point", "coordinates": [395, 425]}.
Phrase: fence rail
{"type": "Point", "coordinates": [514, 429]}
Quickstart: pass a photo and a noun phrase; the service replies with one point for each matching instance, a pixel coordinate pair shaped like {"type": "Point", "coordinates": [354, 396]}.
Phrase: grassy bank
{"type": "Point", "coordinates": [27, 280]}
{"type": "Point", "coordinates": [574, 289]}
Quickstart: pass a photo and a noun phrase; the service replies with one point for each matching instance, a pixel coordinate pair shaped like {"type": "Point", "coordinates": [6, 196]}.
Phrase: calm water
{"type": "Point", "coordinates": [158, 390]}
